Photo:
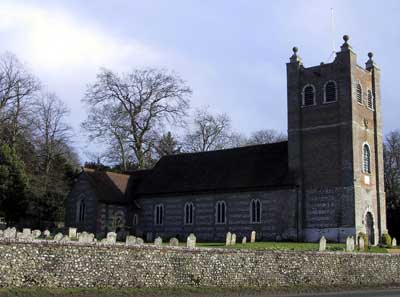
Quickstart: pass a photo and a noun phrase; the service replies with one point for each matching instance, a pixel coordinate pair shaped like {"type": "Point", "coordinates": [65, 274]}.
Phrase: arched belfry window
{"type": "Point", "coordinates": [220, 212]}
{"type": "Point", "coordinates": [370, 100]}
{"type": "Point", "coordinates": [188, 213]}
{"type": "Point", "coordinates": [330, 92]}
{"type": "Point", "coordinates": [255, 211]}
{"type": "Point", "coordinates": [159, 214]}
{"type": "Point", "coordinates": [366, 159]}
{"type": "Point", "coordinates": [359, 93]}
{"type": "Point", "coordinates": [308, 95]}
{"type": "Point", "coordinates": [81, 210]}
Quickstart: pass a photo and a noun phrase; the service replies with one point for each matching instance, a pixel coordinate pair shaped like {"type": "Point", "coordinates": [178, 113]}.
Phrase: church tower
{"type": "Point", "coordinates": [335, 146]}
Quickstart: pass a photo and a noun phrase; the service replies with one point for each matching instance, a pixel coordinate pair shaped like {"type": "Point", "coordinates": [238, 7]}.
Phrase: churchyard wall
{"type": "Point", "coordinates": [57, 264]}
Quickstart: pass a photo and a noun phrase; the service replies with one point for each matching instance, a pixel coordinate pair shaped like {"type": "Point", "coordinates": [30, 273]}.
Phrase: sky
{"type": "Point", "coordinates": [231, 52]}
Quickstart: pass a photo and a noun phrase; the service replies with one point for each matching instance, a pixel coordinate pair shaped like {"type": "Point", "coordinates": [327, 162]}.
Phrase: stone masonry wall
{"type": "Point", "coordinates": [57, 265]}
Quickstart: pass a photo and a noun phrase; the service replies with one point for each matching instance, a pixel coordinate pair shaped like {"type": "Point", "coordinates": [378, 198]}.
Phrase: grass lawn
{"type": "Point", "coordinates": [283, 246]}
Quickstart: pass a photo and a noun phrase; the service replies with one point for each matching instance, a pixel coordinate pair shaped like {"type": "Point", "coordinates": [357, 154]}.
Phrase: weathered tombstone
{"type": "Point", "coordinates": [26, 232]}
{"type": "Point", "coordinates": [130, 240]}
{"type": "Point", "coordinates": [58, 236]}
{"type": "Point", "coordinates": [233, 239]}
{"type": "Point", "coordinates": [350, 244]}
{"type": "Point", "coordinates": [244, 240]}
{"type": "Point", "coordinates": [228, 238]}
{"type": "Point", "coordinates": [85, 237]}
{"type": "Point", "coordinates": [253, 237]}
{"type": "Point", "coordinates": [20, 236]}
{"type": "Point", "coordinates": [361, 243]}
{"type": "Point", "coordinates": [191, 241]}
{"type": "Point", "coordinates": [149, 237]}
{"type": "Point", "coordinates": [65, 239]}
{"type": "Point", "coordinates": [174, 241]}
{"type": "Point", "coordinates": [72, 233]}
{"type": "Point", "coordinates": [46, 233]}
{"type": "Point", "coordinates": [36, 233]}
{"type": "Point", "coordinates": [322, 244]}
{"type": "Point", "coordinates": [111, 237]}
{"type": "Point", "coordinates": [158, 241]}
{"type": "Point", "coordinates": [139, 241]}
{"type": "Point", "coordinates": [394, 242]}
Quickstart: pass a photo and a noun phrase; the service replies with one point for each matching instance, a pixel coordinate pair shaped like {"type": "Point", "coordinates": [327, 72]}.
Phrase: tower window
{"type": "Point", "coordinates": [135, 220]}
{"type": "Point", "coordinates": [366, 159]}
{"type": "Point", "coordinates": [159, 214]}
{"type": "Point", "coordinates": [370, 100]}
{"type": "Point", "coordinates": [309, 95]}
{"type": "Point", "coordinates": [220, 212]}
{"type": "Point", "coordinates": [359, 94]}
{"type": "Point", "coordinates": [330, 91]}
{"type": "Point", "coordinates": [189, 211]}
{"type": "Point", "coordinates": [255, 211]}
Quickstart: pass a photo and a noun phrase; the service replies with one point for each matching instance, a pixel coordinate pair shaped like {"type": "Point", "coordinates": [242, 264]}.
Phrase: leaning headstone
{"type": "Point", "coordinates": [158, 241]}
{"type": "Point", "coordinates": [46, 233]}
{"type": "Point", "coordinates": [228, 238]}
{"type": "Point", "coordinates": [139, 241]}
{"type": "Point", "coordinates": [10, 233]}
{"type": "Point", "coordinates": [191, 241]}
{"type": "Point", "coordinates": [350, 244]}
{"type": "Point", "coordinates": [394, 242]}
{"type": "Point", "coordinates": [58, 236]}
{"type": "Point", "coordinates": [36, 233]}
{"type": "Point", "coordinates": [72, 233]}
{"type": "Point", "coordinates": [361, 243]}
{"type": "Point", "coordinates": [130, 240]}
{"type": "Point", "coordinates": [244, 240]}
{"type": "Point", "coordinates": [111, 237]}
{"type": "Point", "coordinates": [174, 241]}
{"type": "Point", "coordinates": [253, 237]}
{"type": "Point", "coordinates": [233, 239]}
{"type": "Point", "coordinates": [322, 244]}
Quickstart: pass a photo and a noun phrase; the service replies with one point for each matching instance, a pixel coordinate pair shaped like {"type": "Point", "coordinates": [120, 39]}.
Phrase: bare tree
{"type": "Point", "coordinates": [266, 136]}
{"type": "Point", "coordinates": [148, 98]}
{"type": "Point", "coordinates": [51, 134]}
{"type": "Point", "coordinates": [208, 132]}
{"type": "Point", "coordinates": [17, 89]}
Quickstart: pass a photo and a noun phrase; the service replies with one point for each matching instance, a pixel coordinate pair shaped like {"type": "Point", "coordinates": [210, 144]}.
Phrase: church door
{"type": "Point", "coordinates": [369, 222]}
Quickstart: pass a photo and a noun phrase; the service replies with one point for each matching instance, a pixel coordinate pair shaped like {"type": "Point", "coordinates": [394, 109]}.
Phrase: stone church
{"type": "Point", "coordinates": [326, 180]}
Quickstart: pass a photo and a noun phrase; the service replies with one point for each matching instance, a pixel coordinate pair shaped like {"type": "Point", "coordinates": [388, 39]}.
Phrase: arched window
{"type": "Point", "coordinates": [366, 159]}
{"type": "Point", "coordinates": [255, 211]}
{"type": "Point", "coordinates": [220, 212]}
{"type": "Point", "coordinates": [159, 214]}
{"type": "Point", "coordinates": [370, 100]}
{"type": "Point", "coordinates": [330, 92]}
{"type": "Point", "coordinates": [308, 95]}
{"type": "Point", "coordinates": [81, 211]}
{"type": "Point", "coordinates": [189, 213]}
{"type": "Point", "coordinates": [359, 93]}
{"type": "Point", "coordinates": [135, 220]}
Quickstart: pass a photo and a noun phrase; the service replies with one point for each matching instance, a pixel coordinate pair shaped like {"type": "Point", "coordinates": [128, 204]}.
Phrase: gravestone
{"type": "Point", "coordinates": [65, 239]}
{"type": "Point", "coordinates": [36, 233]}
{"type": "Point", "coordinates": [244, 240]}
{"type": "Point", "coordinates": [233, 239]}
{"type": "Point", "coordinates": [322, 244]}
{"type": "Point", "coordinates": [86, 237]}
{"type": "Point", "coordinates": [174, 241]}
{"type": "Point", "coordinates": [158, 241]}
{"type": "Point", "coordinates": [349, 244]}
{"type": "Point", "coordinates": [58, 236]}
{"type": "Point", "coordinates": [26, 232]}
{"type": "Point", "coordinates": [46, 233]}
{"type": "Point", "coordinates": [253, 237]}
{"type": "Point", "coordinates": [394, 242]}
{"type": "Point", "coordinates": [191, 241]}
{"type": "Point", "coordinates": [130, 240]}
{"type": "Point", "coordinates": [10, 233]}
{"type": "Point", "coordinates": [111, 237]}
{"type": "Point", "coordinates": [228, 238]}
{"type": "Point", "coordinates": [149, 237]}
{"type": "Point", "coordinates": [72, 233]}
{"type": "Point", "coordinates": [139, 241]}
{"type": "Point", "coordinates": [361, 243]}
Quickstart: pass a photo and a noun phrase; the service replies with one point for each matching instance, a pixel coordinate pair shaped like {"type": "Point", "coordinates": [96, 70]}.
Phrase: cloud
{"type": "Point", "coordinates": [53, 40]}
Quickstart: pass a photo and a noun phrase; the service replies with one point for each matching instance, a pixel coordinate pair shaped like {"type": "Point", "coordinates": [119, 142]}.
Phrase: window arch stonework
{"type": "Point", "coordinates": [220, 212]}
{"type": "Point", "coordinates": [330, 91]}
{"type": "Point", "coordinates": [366, 158]}
{"type": "Point", "coordinates": [255, 211]}
{"type": "Point", "coordinates": [308, 95]}
{"type": "Point", "coordinates": [188, 213]}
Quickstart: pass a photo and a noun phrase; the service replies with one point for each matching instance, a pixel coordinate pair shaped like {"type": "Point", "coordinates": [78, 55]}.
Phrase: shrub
{"type": "Point", "coordinates": [387, 240]}
{"type": "Point", "coordinates": [365, 237]}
